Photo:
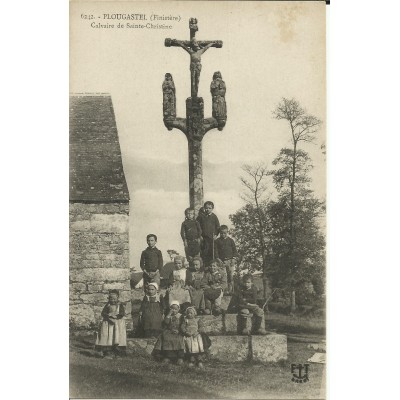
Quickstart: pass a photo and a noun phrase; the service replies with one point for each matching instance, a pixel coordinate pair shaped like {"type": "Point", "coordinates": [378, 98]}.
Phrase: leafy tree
{"type": "Point", "coordinates": [308, 251]}
{"type": "Point", "coordinates": [282, 237]}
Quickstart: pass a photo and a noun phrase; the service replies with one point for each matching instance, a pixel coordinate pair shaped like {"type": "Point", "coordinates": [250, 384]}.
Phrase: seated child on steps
{"type": "Point", "coordinates": [179, 271]}
{"type": "Point", "coordinates": [177, 289]}
{"type": "Point", "coordinates": [247, 302]}
{"type": "Point", "coordinates": [214, 282]}
{"type": "Point", "coordinates": [194, 282]}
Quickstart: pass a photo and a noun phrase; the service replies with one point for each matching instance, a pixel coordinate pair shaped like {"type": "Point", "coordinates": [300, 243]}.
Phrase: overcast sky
{"type": "Point", "coordinates": [270, 51]}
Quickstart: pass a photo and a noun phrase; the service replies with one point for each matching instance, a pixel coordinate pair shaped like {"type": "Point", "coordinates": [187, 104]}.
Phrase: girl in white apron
{"type": "Point", "coordinates": [111, 339]}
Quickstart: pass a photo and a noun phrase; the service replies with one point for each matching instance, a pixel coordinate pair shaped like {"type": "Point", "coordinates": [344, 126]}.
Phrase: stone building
{"type": "Point", "coordinates": [98, 210]}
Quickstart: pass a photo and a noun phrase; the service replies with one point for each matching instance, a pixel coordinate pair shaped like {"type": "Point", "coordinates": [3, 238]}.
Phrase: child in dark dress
{"type": "Point", "coordinates": [170, 345]}
{"type": "Point", "coordinates": [151, 312]}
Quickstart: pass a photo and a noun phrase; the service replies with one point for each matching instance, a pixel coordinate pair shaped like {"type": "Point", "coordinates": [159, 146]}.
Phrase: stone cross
{"type": "Point", "coordinates": [194, 126]}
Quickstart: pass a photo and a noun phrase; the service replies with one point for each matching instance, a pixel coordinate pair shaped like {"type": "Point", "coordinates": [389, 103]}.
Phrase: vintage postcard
{"type": "Point", "coordinates": [197, 199]}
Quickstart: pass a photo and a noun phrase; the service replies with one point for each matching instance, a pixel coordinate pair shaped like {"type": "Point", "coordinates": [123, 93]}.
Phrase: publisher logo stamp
{"type": "Point", "coordinates": [300, 373]}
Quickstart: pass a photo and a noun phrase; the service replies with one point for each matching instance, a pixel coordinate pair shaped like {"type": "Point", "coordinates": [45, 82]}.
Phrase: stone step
{"type": "Point", "coordinates": [269, 348]}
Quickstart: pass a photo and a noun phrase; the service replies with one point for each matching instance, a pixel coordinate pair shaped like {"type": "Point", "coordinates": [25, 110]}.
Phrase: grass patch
{"type": "Point", "coordinates": [141, 377]}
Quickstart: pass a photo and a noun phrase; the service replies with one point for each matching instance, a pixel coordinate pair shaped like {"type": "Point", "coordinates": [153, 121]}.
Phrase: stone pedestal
{"type": "Point", "coordinates": [229, 348]}
{"type": "Point", "coordinates": [233, 326]}
{"type": "Point", "coordinates": [212, 325]}
{"type": "Point", "coordinates": [269, 348]}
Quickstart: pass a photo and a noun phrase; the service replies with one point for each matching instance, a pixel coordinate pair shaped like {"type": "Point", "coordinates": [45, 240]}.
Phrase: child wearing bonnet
{"type": "Point", "coordinates": [151, 312]}
{"type": "Point", "coordinates": [170, 345]}
{"type": "Point", "coordinates": [196, 341]}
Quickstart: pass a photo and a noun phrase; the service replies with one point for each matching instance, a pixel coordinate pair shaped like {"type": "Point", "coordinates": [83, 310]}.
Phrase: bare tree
{"type": "Point", "coordinates": [255, 182]}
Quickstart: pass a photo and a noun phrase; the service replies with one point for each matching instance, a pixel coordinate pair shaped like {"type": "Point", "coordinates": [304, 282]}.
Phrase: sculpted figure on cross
{"type": "Point", "coordinates": [195, 51]}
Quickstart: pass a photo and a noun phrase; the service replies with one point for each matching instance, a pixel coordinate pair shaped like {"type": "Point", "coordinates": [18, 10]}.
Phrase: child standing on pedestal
{"type": "Point", "coordinates": [151, 261]}
{"type": "Point", "coordinates": [111, 339]}
{"type": "Point", "coordinates": [191, 234]}
{"type": "Point", "coordinates": [209, 224]}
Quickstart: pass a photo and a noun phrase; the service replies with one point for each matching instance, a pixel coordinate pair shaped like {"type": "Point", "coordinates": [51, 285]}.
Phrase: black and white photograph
{"type": "Point", "coordinates": [197, 199]}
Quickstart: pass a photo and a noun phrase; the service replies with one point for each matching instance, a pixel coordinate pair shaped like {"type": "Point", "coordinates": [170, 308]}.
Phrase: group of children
{"type": "Point", "coordinates": [200, 239]}
{"type": "Point", "coordinates": [194, 291]}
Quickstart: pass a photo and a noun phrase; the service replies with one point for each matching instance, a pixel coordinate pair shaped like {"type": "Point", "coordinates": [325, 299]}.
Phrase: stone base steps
{"type": "Point", "coordinates": [224, 324]}
{"type": "Point", "coordinates": [269, 348]}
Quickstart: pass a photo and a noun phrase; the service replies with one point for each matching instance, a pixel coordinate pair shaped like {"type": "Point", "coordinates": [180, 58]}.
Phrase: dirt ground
{"type": "Point", "coordinates": [141, 377]}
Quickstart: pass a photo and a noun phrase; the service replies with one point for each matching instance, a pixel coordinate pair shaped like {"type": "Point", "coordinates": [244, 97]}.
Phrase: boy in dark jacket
{"type": "Point", "coordinates": [151, 262]}
{"type": "Point", "coordinates": [209, 224]}
{"type": "Point", "coordinates": [191, 234]}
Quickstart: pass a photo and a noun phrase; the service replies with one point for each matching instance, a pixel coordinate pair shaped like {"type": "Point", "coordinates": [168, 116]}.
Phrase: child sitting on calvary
{"type": "Point", "coordinates": [151, 261]}
{"type": "Point", "coordinates": [214, 282]}
{"type": "Point", "coordinates": [177, 290]}
{"type": "Point", "coordinates": [151, 312]}
{"type": "Point", "coordinates": [179, 271]}
{"type": "Point", "coordinates": [195, 284]}
{"type": "Point", "coordinates": [196, 341]}
{"type": "Point", "coordinates": [247, 302]}
{"type": "Point", "coordinates": [170, 345]}
{"type": "Point", "coordinates": [191, 234]}
{"type": "Point", "coordinates": [111, 339]}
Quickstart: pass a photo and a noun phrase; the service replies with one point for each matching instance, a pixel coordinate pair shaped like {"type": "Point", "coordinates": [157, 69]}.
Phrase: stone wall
{"type": "Point", "coordinates": [99, 259]}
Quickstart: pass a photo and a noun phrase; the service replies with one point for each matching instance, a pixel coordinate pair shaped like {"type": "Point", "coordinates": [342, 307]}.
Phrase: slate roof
{"type": "Point", "coordinates": [96, 170]}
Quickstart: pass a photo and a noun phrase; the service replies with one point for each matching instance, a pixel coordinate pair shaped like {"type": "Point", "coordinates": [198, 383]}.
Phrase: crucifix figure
{"type": "Point", "coordinates": [195, 52]}
{"type": "Point", "coordinates": [194, 126]}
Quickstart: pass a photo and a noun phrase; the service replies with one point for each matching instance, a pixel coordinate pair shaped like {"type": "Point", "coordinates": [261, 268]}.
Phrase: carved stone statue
{"type": "Point", "coordinates": [195, 126]}
{"type": "Point", "coordinates": [169, 99]}
{"type": "Point", "coordinates": [195, 51]}
{"type": "Point", "coordinates": [218, 90]}
{"type": "Point", "coordinates": [193, 25]}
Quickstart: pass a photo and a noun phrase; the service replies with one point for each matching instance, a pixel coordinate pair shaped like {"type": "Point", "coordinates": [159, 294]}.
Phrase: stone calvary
{"type": "Point", "coordinates": [195, 126]}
